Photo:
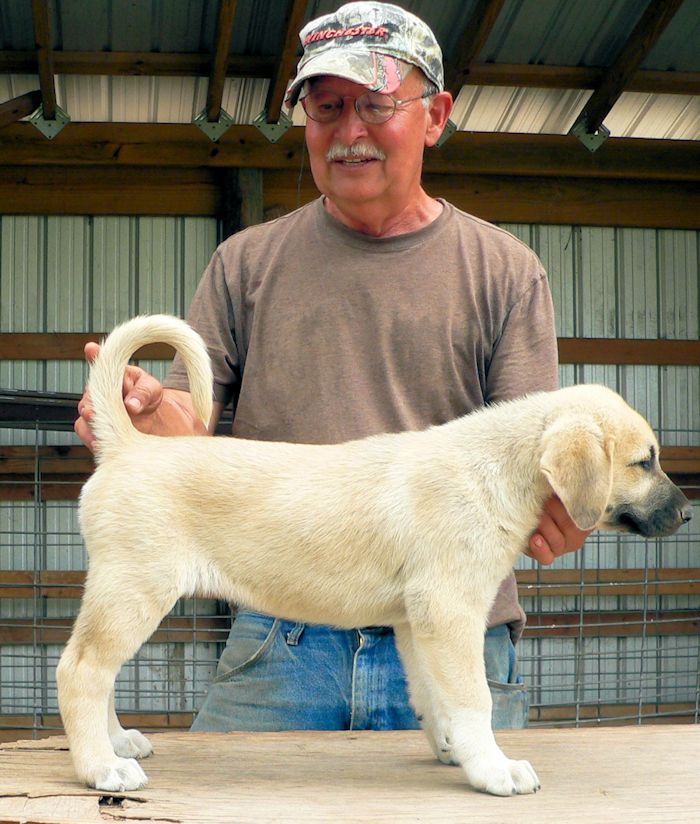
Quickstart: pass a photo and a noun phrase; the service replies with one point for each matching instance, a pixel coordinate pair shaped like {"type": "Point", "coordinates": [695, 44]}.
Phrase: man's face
{"type": "Point", "coordinates": [390, 182]}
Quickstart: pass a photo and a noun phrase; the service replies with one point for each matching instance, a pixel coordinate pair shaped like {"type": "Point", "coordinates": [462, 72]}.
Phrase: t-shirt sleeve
{"type": "Point", "coordinates": [524, 358]}
{"type": "Point", "coordinates": [212, 316]}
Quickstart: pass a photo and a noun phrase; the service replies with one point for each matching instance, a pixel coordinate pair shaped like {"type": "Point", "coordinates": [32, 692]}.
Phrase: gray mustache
{"type": "Point", "coordinates": [357, 151]}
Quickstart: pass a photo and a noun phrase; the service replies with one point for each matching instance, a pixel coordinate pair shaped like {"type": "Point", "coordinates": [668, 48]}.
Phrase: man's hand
{"type": "Point", "coordinates": [152, 409]}
{"type": "Point", "coordinates": [556, 534]}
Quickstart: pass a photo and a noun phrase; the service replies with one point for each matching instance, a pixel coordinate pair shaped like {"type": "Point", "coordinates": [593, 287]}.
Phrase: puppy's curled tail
{"type": "Point", "coordinates": [111, 424]}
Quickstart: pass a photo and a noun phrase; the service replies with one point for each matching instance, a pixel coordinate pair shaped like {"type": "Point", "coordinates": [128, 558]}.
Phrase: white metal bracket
{"type": "Point", "coordinates": [447, 132]}
{"type": "Point", "coordinates": [49, 128]}
{"type": "Point", "coordinates": [273, 131]}
{"type": "Point", "coordinates": [214, 129]}
{"type": "Point", "coordinates": [591, 140]}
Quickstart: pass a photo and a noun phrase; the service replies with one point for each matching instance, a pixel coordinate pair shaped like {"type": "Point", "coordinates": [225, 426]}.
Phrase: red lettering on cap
{"type": "Point", "coordinates": [353, 31]}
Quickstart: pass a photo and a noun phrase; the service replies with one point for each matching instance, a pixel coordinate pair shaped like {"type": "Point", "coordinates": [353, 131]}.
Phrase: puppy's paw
{"type": "Point", "coordinates": [524, 777]}
{"type": "Point", "coordinates": [121, 775]}
{"type": "Point", "coordinates": [444, 753]}
{"type": "Point", "coordinates": [504, 777]}
{"type": "Point", "coordinates": [441, 747]}
{"type": "Point", "coordinates": [131, 744]}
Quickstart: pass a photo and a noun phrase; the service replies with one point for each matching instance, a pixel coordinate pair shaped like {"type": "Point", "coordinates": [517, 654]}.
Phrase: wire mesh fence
{"type": "Point", "coordinates": [613, 631]}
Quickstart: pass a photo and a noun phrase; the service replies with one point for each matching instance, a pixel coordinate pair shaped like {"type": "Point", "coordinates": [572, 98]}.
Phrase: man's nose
{"type": "Point", "coordinates": [349, 126]}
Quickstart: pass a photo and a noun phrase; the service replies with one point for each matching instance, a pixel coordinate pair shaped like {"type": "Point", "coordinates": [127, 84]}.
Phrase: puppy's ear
{"type": "Point", "coordinates": [577, 460]}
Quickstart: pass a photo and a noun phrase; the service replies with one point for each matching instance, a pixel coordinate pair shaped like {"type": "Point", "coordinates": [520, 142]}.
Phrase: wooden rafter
{"type": "Point", "coordinates": [138, 64]}
{"type": "Point", "coordinates": [617, 77]}
{"type": "Point", "coordinates": [13, 110]}
{"type": "Point", "coordinates": [287, 62]}
{"type": "Point", "coordinates": [178, 145]}
{"type": "Point", "coordinates": [44, 56]}
{"type": "Point", "coordinates": [471, 43]}
{"type": "Point", "coordinates": [219, 63]}
{"type": "Point", "coordinates": [193, 64]}
{"type": "Point", "coordinates": [579, 77]}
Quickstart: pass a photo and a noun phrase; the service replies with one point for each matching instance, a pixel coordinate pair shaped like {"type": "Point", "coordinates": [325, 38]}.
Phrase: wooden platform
{"type": "Point", "coordinates": [619, 774]}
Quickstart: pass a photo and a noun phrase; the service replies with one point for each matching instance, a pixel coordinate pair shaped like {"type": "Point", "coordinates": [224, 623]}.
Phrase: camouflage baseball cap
{"type": "Point", "coordinates": [362, 42]}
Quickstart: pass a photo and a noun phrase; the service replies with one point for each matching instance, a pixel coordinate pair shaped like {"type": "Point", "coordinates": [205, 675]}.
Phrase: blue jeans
{"type": "Point", "coordinates": [279, 675]}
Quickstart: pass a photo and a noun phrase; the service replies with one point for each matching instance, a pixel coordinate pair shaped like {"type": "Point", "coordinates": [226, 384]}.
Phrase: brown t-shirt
{"type": "Point", "coordinates": [320, 334]}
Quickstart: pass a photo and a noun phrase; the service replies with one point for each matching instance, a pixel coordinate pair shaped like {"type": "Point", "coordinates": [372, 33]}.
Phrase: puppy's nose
{"type": "Point", "coordinates": [686, 514]}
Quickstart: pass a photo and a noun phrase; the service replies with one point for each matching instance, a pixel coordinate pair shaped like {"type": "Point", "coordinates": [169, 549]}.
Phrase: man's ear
{"type": "Point", "coordinates": [577, 460]}
{"type": "Point", "coordinates": [439, 109]}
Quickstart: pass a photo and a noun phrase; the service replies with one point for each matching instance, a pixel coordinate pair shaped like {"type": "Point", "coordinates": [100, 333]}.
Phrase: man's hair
{"type": "Point", "coordinates": [429, 88]}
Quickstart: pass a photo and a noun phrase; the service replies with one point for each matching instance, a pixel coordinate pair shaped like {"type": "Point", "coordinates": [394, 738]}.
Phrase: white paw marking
{"type": "Point", "coordinates": [123, 775]}
{"type": "Point", "coordinates": [131, 744]}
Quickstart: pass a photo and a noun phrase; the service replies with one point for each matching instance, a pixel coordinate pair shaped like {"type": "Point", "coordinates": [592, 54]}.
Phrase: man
{"type": "Point", "coordinates": [376, 308]}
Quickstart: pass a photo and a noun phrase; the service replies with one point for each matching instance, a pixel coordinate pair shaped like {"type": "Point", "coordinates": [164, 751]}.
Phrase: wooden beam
{"type": "Point", "coordinates": [242, 199]}
{"type": "Point", "coordinates": [125, 190]}
{"type": "Point", "coordinates": [219, 63]}
{"type": "Point", "coordinates": [611, 624]}
{"type": "Point", "coordinates": [43, 725]}
{"type": "Point", "coordinates": [41, 583]}
{"type": "Point", "coordinates": [612, 714]}
{"type": "Point", "coordinates": [198, 64]}
{"type": "Point", "coordinates": [26, 346]}
{"type": "Point", "coordinates": [138, 64]}
{"type": "Point", "coordinates": [657, 15]}
{"type": "Point", "coordinates": [13, 110]}
{"type": "Point", "coordinates": [471, 42]}
{"type": "Point", "coordinates": [201, 629]}
{"type": "Point", "coordinates": [625, 351]}
{"type": "Point", "coordinates": [606, 583]}
{"type": "Point", "coordinates": [584, 201]}
{"type": "Point", "coordinates": [183, 145]}
{"type": "Point", "coordinates": [579, 77]}
{"type": "Point", "coordinates": [39, 726]}
{"type": "Point", "coordinates": [64, 346]}
{"type": "Point", "coordinates": [26, 460]}
{"type": "Point", "coordinates": [642, 204]}
{"type": "Point", "coordinates": [212, 629]}
{"type": "Point", "coordinates": [44, 47]}
{"type": "Point", "coordinates": [285, 68]}
{"type": "Point", "coordinates": [536, 583]}
{"type": "Point", "coordinates": [56, 190]}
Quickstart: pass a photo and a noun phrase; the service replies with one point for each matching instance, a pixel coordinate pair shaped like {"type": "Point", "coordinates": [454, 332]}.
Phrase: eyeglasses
{"type": "Point", "coordinates": [372, 107]}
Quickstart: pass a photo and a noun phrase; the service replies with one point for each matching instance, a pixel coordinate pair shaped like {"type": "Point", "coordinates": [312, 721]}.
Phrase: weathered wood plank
{"type": "Point", "coordinates": [644, 774]}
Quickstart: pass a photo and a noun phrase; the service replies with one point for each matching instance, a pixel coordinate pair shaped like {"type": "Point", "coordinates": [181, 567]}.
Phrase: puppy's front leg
{"type": "Point", "coordinates": [451, 654]}
{"type": "Point", "coordinates": [126, 743]}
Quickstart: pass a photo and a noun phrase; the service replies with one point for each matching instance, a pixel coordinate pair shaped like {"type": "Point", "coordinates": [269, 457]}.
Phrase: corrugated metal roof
{"type": "Point", "coordinates": [585, 33]}
{"type": "Point", "coordinates": [548, 32]}
{"type": "Point", "coordinates": [487, 109]}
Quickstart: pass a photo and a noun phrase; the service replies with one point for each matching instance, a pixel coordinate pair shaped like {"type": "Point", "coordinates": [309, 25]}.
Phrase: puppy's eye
{"type": "Point", "coordinates": [647, 464]}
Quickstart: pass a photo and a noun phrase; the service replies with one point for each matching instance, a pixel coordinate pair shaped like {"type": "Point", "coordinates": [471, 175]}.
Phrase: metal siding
{"type": "Point", "coordinates": [68, 274]}
{"type": "Point", "coordinates": [679, 275]}
{"type": "Point", "coordinates": [661, 116]}
{"type": "Point", "coordinates": [510, 109]}
{"type": "Point", "coordinates": [73, 274]}
{"type": "Point", "coordinates": [596, 283]}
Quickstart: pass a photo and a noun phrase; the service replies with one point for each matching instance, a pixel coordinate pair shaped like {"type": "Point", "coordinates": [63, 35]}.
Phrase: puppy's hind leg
{"type": "Point", "coordinates": [113, 622]}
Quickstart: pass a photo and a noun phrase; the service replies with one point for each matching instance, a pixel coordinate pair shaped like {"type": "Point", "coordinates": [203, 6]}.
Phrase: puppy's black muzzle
{"type": "Point", "coordinates": [667, 511]}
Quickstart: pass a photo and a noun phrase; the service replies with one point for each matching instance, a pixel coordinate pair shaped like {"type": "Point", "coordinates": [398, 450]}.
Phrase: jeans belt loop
{"type": "Point", "coordinates": [294, 635]}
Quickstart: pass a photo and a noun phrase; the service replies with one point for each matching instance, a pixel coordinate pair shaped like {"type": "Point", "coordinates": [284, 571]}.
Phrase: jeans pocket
{"type": "Point", "coordinates": [511, 705]}
{"type": "Point", "coordinates": [250, 638]}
